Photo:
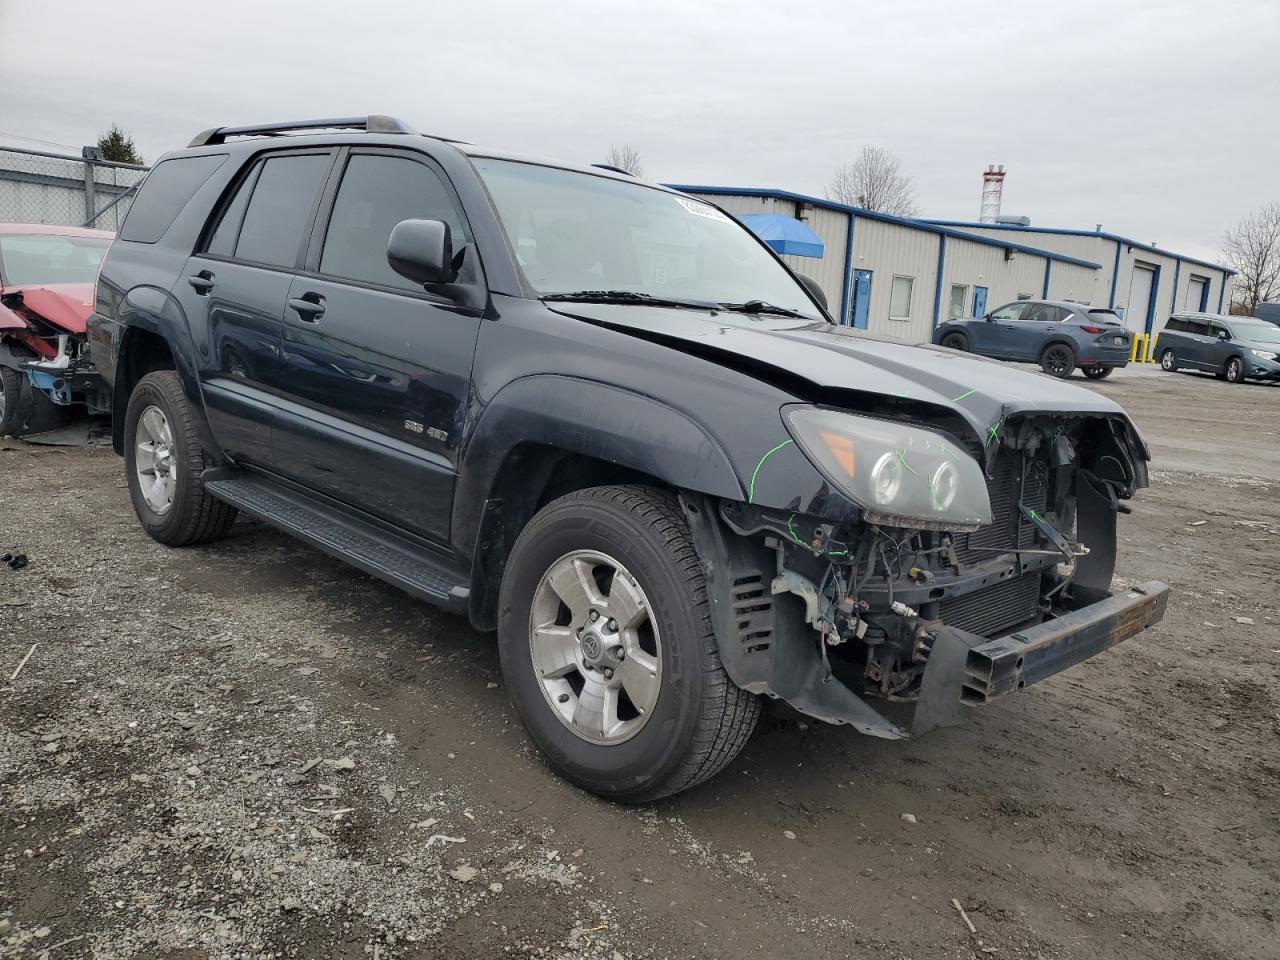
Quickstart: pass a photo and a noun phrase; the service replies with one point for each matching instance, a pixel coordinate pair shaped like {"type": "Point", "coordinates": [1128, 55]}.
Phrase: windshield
{"type": "Point", "coordinates": [1257, 330]}
{"type": "Point", "coordinates": [34, 259]}
{"type": "Point", "coordinates": [576, 232]}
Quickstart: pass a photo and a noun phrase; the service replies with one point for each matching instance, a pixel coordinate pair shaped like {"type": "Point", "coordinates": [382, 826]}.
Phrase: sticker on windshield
{"type": "Point", "coordinates": [701, 209]}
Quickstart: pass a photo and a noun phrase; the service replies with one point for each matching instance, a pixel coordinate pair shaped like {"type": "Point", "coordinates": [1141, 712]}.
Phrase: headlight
{"type": "Point", "coordinates": [1265, 355]}
{"type": "Point", "coordinates": [902, 476]}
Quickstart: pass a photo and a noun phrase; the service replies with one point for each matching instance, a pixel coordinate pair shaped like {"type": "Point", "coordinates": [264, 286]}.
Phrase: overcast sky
{"type": "Point", "coordinates": [1157, 119]}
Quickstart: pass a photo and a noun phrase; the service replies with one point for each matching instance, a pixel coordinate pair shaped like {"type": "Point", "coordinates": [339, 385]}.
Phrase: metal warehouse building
{"type": "Point", "coordinates": [899, 278]}
{"type": "Point", "coordinates": [1144, 284]}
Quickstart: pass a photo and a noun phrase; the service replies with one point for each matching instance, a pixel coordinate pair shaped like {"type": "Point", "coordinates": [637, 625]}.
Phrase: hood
{"type": "Point", "coordinates": [983, 392]}
{"type": "Point", "coordinates": [65, 305]}
{"type": "Point", "coordinates": [1262, 345]}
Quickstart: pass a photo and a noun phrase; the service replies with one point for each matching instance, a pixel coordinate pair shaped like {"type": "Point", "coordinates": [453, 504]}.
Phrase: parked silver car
{"type": "Point", "coordinates": [1057, 334]}
{"type": "Point", "coordinates": [1233, 348]}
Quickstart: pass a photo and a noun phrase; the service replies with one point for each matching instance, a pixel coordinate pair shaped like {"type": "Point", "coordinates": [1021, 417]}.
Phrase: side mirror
{"type": "Point", "coordinates": [988, 317]}
{"type": "Point", "coordinates": [815, 291]}
{"type": "Point", "coordinates": [421, 250]}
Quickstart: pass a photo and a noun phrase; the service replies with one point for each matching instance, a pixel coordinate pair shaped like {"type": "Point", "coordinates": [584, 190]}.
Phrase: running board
{"type": "Point", "coordinates": [378, 552]}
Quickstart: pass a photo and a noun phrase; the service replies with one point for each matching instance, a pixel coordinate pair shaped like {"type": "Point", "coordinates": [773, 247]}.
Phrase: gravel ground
{"type": "Point", "coordinates": [249, 750]}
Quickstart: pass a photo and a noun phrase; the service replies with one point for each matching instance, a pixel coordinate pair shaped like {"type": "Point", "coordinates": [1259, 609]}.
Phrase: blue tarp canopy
{"type": "Point", "coordinates": [785, 234]}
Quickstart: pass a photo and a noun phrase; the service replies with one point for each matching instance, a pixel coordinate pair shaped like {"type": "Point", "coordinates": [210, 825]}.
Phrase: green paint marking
{"type": "Point", "coordinates": [1124, 474]}
{"type": "Point", "coordinates": [751, 492]}
{"type": "Point", "coordinates": [903, 458]}
{"type": "Point", "coordinates": [967, 393]}
{"type": "Point", "coordinates": [937, 504]}
{"type": "Point", "coordinates": [792, 530]}
{"type": "Point", "coordinates": [994, 432]}
{"type": "Point", "coordinates": [837, 553]}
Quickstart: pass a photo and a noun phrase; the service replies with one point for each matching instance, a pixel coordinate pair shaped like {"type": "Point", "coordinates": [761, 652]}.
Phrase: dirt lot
{"type": "Point", "coordinates": [158, 797]}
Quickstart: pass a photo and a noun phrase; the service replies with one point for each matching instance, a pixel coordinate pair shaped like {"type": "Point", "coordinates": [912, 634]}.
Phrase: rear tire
{"type": "Point", "coordinates": [1058, 360]}
{"type": "Point", "coordinates": [1169, 361]}
{"type": "Point", "coordinates": [1235, 371]}
{"type": "Point", "coordinates": [1097, 373]}
{"type": "Point", "coordinates": [698, 719]}
{"type": "Point", "coordinates": [955, 341]}
{"type": "Point", "coordinates": [167, 493]}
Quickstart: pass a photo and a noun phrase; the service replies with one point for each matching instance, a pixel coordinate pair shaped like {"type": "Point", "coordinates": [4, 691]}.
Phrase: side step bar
{"type": "Point", "coordinates": [385, 555]}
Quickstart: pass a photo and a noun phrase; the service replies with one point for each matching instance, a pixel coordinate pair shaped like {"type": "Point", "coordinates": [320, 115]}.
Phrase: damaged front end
{"type": "Point", "coordinates": [939, 603]}
{"type": "Point", "coordinates": [51, 359]}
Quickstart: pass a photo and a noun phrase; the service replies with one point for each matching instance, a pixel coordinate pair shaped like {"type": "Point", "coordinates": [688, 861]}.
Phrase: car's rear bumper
{"type": "Point", "coordinates": [967, 671]}
{"type": "Point", "coordinates": [1105, 356]}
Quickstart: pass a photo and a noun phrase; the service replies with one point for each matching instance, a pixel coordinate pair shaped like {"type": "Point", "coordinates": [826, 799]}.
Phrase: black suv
{"type": "Point", "coordinates": [602, 418]}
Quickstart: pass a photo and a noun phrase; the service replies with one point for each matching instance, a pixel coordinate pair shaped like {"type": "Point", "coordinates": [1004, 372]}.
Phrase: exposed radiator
{"type": "Point", "coordinates": [995, 610]}
{"type": "Point", "coordinates": [1009, 529]}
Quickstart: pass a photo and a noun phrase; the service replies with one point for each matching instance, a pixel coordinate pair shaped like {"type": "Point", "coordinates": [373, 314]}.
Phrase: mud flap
{"type": "Point", "coordinates": [764, 643]}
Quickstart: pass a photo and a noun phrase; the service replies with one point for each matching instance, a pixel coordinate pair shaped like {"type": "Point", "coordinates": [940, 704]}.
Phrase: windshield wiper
{"type": "Point", "coordinates": [630, 296]}
{"type": "Point", "coordinates": [763, 306]}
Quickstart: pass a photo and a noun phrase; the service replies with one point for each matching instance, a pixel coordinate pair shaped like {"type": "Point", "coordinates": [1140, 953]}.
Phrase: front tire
{"type": "Point", "coordinates": [163, 459]}
{"type": "Point", "coordinates": [633, 703]}
{"type": "Point", "coordinates": [1097, 373]}
{"type": "Point", "coordinates": [1235, 372]}
{"type": "Point", "coordinates": [1058, 360]}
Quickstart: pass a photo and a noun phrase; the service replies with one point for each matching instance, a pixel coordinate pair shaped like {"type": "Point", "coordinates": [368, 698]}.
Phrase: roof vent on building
{"type": "Point", "coordinates": [1013, 221]}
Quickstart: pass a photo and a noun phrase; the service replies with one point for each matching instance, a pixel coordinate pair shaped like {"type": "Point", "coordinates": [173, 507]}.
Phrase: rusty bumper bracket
{"type": "Point", "coordinates": [966, 670]}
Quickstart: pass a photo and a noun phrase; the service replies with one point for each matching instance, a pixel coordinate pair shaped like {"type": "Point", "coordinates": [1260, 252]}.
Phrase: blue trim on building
{"type": "Point", "coordinates": [846, 305]}
{"type": "Point", "coordinates": [937, 287]}
{"type": "Point", "coordinates": [1155, 298]}
{"type": "Point", "coordinates": [1080, 233]}
{"type": "Point", "coordinates": [1222, 292]}
{"type": "Point", "coordinates": [924, 225]}
{"type": "Point", "coordinates": [1048, 269]}
{"type": "Point", "coordinates": [1177, 275]}
{"type": "Point", "coordinates": [1115, 277]}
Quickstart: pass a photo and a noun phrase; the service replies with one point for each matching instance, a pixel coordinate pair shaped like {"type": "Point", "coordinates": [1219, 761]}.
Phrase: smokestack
{"type": "Point", "coordinates": [992, 189]}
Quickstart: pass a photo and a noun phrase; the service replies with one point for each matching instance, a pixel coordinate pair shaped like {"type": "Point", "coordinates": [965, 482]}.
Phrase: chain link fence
{"type": "Point", "coordinates": [38, 187]}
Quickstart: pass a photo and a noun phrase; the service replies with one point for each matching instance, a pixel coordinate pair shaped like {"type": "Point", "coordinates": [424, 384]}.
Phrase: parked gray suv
{"type": "Point", "coordinates": [1058, 335]}
{"type": "Point", "coordinates": [1232, 348]}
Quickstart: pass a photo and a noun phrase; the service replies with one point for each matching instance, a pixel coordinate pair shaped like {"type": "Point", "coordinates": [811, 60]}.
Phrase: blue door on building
{"type": "Point", "coordinates": [979, 301]}
{"type": "Point", "coordinates": [861, 297]}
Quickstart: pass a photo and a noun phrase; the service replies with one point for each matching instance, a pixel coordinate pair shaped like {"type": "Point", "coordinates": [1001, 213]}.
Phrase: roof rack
{"type": "Point", "coordinates": [374, 123]}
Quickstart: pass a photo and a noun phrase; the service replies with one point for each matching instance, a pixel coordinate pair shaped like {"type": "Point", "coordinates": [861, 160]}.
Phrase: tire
{"type": "Point", "coordinates": [698, 719]}
{"type": "Point", "coordinates": [10, 398]}
{"type": "Point", "coordinates": [1058, 360]}
{"type": "Point", "coordinates": [1097, 373]}
{"type": "Point", "coordinates": [1169, 361]}
{"type": "Point", "coordinates": [191, 515]}
{"type": "Point", "coordinates": [1235, 371]}
{"type": "Point", "coordinates": [955, 341]}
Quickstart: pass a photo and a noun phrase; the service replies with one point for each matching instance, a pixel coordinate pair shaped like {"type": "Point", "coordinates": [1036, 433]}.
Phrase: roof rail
{"type": "Point", "coordinates": [374, 123]}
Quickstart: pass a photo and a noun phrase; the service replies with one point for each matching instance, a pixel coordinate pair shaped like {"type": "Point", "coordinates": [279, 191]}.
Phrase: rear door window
{"type": "Point", "coordinates": [280, 211]}
{"type": "Point", "coordinates": [164, 193]}
{"type": "Point", "coordinates": [377, 192]}
{"type": "Point", "coordinates": [1198, 327]}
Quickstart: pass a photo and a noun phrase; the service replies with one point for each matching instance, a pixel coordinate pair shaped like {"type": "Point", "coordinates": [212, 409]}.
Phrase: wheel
{"type": "Point", "coordinates": [605, 636]}
{"type": "Point", "coordinates": [1058, 360]}
{"type": "Point", "coordinates": [10, 394]}
{"type": "Point", "coordinates": [163, 459]}
{"type": "Point", "coordinates": [1235, 370]}
{"type": "Point", "coordinates": [1097, 373]}
{"type": "Point", "coordinates": [1168, 361]}
{"type": "Point", "coordinates": [956, 341]}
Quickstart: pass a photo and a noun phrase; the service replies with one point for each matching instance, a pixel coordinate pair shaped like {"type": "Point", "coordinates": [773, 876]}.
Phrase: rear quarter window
{"type": "Point", "coordinates": [164, 193]}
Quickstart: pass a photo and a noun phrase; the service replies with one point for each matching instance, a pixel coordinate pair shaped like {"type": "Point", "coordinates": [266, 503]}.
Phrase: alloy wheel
{"type": "Point", "coordinates": [156, 460]}
{"type": "Point", "coordinates": [1058, 360]}
{"type": "Point", "coordinates": [595, 647]}
{"type": "Point", "coordinates": [1167, 360]}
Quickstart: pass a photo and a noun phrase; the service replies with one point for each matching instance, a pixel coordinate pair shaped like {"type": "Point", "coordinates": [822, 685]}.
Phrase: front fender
{"type": "Point", "coordinates": [593, 419]}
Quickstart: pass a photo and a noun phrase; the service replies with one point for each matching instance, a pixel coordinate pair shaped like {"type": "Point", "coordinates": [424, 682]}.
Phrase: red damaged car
{"type": "Point", "coordinates": [47, 275]}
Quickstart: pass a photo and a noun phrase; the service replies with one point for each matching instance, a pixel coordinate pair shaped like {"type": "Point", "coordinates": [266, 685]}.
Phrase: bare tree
{"type": "Point", "coordinates": [874, 180]}
{"type": "Point", "coordinates": [1252, 246]}
{"type": "Point", "coordinates": [625, 157]}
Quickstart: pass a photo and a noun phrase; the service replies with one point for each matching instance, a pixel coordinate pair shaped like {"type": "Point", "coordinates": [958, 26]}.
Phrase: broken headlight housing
{"type": "Point", "coordinates": [901, 475]}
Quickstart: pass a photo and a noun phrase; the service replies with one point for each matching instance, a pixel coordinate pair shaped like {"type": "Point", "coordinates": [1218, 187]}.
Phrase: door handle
{"type": "Point", "coordinates": [309, 307]}
{"type": "Point", "coordinates": [201, 282]}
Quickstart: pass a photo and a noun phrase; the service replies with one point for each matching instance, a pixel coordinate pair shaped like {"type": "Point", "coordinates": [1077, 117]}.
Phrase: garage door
{"type": "Point", "coordinates": [1196, 294]}
{"type": "Point", "coordinates": [1140, 284]}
